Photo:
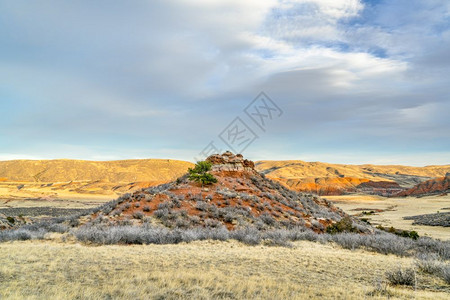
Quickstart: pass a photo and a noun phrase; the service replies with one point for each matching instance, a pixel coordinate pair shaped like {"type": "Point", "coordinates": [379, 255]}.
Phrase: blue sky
{"type": "Point", "coordinates": [358, 81]}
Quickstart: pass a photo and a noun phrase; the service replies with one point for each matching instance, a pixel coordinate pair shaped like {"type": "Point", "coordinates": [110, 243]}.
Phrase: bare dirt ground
{"type": "Point", "coordinates": [201, 270]}
{"type": "Point", "coordinates": [394, 209]}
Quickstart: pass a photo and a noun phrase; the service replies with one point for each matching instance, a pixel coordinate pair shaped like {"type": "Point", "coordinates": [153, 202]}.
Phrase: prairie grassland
{"type": "Point", "coordinates": [200, 270]}
{"type": "Point", "coordinates": [396, 209]}
{"type": "Point", "coordinates": [40, 195]}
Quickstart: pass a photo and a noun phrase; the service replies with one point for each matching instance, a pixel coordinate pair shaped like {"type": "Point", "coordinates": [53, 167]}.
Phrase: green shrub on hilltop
{"type": "Point", "coordinates": [200, 173]}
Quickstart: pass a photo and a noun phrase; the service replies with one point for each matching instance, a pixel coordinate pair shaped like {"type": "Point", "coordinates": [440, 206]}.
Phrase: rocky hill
{"type": "Point", "coordinates": [241, 197]}
{"type": "Point", "coordinates": [435, 186]}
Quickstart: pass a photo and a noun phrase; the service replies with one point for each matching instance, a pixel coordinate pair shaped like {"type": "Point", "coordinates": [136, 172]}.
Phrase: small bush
{"type": "Point", "coordinates": [403, 233]}
{"type": "Point", "coordinates": [368, 213]}
{"type": "Point", "coordinates": [445, 273]}
{"type": "Point", "coordinates": [138, 215]}
{"type": "Point", "coordinates": [162, 213]}
{"type": "Point", "coordinates": [402, 276]}
{"type": "Point", "coordinates": [202, 206]}
{"type": "Point", "coordinates": [267, 219]}
{"type": "Point", "coordinates": [248, 235]}
{"type": "Point", "coordinates": [176, 202]}
{"type": "Point", "coordinates": [428, 263]}
{"type": "Point", "coordinates": [10, 220]}
{"type": "Point", "coordinates": [137, 205]}
{"type": "Point", "coordinates": [146, 208]}
{"type": "Point", "coordinates": [344, 225]}
{"type": "Point", "coordinates": [21, 234]}
{"type": "Point", "coordinates": [212, 223]}
{"type": "Point", "coordinates": [380, 289]}
{"type": "Point", "coordinates": [165, 205]}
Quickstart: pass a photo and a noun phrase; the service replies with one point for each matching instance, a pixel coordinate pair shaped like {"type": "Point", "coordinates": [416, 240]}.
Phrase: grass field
{"type": "Point", "coordinates": [39, 195]}
{"type": "Point", "coordinates": [394, 209]}
{"type": "Point", "coordinates": [200, 270]}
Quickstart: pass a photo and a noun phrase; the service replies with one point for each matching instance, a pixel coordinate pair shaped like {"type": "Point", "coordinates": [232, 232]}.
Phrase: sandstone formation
{"type": "Point", "coordinates": [228, 162]}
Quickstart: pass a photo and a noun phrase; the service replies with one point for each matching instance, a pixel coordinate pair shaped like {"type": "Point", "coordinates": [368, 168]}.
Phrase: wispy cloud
{"type": "Point", "coordinates": [350, 74]}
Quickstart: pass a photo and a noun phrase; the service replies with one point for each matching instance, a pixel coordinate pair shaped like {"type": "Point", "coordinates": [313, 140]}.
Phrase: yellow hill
{"type": "Point", "coordinates": [335, 179]}
{"type": "Point", "coordinates": [290, 169]}
{"type": "Point", "coordinates": [34, 178]}
{"type": "Point", "coordinates": [120, 171]}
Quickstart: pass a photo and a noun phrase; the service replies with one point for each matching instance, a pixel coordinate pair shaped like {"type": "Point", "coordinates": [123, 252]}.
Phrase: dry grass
{"type": "Point", "coordinates": [39, 195]}
{"type": "Point", "coordinates": [199, 270]}
{"type": "Point", "coordinates": [297, 169]}
{"type": "Point", "coordinates": [396, 209]}
{"type": "Point", "coordinates": [64, 170]}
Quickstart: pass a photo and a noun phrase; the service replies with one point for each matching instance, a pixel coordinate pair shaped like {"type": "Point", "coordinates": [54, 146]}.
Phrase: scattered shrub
{"type": "Point", "coordinates": [146, 208]}
{"type": "Point", "coordinates": [165, 205]}
{"type": "Point", "coordinates": [404, 233]}
{"type": "Point", "coordinates": [138, 215]}
{"type": "Point", "coordinates": [21, 235]}
{"type": "Point", "coordinates": [344, 225]}
{"type": "Point", "coordinates": [380, 289]}
{"type": "Point", "coordinates": [402, 276]}
{"type": "Point", "coordinates": [445, 273]}
{"type": "Point", "coordinates": [212, 223]}
{"type": "Point", "coordinates": [267, 219]}
{"type": "Point", "coordinates": [248, 235]}
{"type": "Point", "coordinates": [161, 213]}
{"type": "Point", "coordinates": [202, 206]}
{"type": "Point", "coordinates": [368, 213]}
{"type": "Point", "coordinates": [428, 263]}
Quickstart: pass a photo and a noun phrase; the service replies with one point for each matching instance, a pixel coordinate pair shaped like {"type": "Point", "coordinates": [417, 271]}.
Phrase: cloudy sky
{"type": "Point", "coordinates": [357, 81]}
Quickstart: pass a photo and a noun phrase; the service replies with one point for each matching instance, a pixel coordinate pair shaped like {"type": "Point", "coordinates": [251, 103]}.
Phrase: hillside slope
{"type": "Point", "coordinates": [28, 177]}
{"type": "Point", "coordinates": [430, 187]}
{"type": "Point", "coordinates": [335, 179]}
{"type": "Point", "coordinates": [120, 171]}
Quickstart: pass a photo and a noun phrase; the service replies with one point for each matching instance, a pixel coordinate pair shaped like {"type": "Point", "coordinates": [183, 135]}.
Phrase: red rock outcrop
{"type": "Point", "coordinates": [430, 187]}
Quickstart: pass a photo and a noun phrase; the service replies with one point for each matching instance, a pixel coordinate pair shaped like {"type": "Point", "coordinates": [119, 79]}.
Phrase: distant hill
{"type": "Point", "coordinates": [115, 177]}
{"type": "Point", "coordinates": [430, 187]}
{"type": "Point", "coordinates": [119, 171]}
{"type": "Point", "coordinates": [335, 179]}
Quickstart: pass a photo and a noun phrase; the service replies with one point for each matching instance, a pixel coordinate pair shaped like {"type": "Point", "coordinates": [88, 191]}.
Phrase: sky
{"type": "Point", "coordinates": [348, 81]}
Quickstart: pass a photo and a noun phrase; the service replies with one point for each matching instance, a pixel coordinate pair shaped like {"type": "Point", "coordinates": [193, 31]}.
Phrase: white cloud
{"type": "Point", "coordinates": [152, 70]}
